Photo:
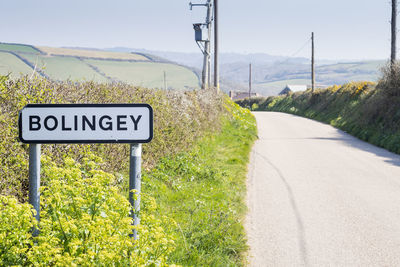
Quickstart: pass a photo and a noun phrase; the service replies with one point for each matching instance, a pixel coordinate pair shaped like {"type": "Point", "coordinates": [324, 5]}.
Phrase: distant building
{"type": "Point", "coordinates": [238, 95]}
{"type": "Point", "coordinates": [293, 88]}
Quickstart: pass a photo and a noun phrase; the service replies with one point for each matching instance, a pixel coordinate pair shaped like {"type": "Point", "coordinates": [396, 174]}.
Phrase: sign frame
{"type": "Point", "coordinates": [141, 105]}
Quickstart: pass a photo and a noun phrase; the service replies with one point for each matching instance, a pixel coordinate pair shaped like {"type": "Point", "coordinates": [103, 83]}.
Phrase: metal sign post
{"type": "Point", "coordinates": [86, 123]}
{"type": "Point", "coordinates": [34, 180]}
{"type": "Point", "coordinates": [134, 183]}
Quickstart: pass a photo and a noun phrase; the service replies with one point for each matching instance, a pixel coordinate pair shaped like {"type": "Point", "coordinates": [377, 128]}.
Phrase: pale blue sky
{"type": "Point", "coordinates": [344, 29]}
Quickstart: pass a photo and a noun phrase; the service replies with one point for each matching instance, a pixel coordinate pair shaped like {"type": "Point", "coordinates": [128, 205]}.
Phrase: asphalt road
{"type": "Point", "coordinates": [320, 197]}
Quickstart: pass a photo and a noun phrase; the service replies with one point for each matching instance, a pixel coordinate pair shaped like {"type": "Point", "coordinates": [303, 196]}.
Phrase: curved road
{"type": "Point", "coordinates": [320, 197]}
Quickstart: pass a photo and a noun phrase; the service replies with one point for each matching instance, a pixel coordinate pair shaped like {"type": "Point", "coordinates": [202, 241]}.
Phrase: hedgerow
{"type": "Point", "coordinates": [180, 119]}
{"type": "Point", "coordinates": [193, 183]}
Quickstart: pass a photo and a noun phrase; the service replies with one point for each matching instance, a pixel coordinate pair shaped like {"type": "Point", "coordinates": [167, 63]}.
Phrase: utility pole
{"type": "Point", "coordinates": [312, 63]}
{"type": "Point", "coordinates": [394, 34]}
{"type": "Point", "coordinates": [249, 80]}
{"type": "Point", "coordinates": [216, 66]}
{"type": "Point", "coordinates": [203, 41]}
{"type": "Point", "coordinates": [165, 80]}
{"type": "Point", "coordinates": [207, 56]}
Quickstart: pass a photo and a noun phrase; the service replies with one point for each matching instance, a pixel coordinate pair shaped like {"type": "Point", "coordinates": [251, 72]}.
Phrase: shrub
{"type": "Point", "coordinates": [16, 222]}
{"type": "Point", "coordinates": [180, 119]}
{"type": "Point", "coordinates": [84, 221]}
{"type": "Point", "coordinates": [390, 80]}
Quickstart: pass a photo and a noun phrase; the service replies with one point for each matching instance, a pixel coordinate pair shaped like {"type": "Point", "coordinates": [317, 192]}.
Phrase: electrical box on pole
{"type": "Point", "coordinates": [199, 34]}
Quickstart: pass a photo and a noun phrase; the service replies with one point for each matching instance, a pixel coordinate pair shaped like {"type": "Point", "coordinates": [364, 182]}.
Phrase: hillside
{"type": "Point", "coordinates": [272, 73]}
{"type": "Point", "coordinates": [77, 64]}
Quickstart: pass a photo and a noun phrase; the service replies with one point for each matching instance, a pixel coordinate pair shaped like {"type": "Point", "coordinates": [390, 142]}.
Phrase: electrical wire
{"type": "Point", "coordinates": [294, 54]}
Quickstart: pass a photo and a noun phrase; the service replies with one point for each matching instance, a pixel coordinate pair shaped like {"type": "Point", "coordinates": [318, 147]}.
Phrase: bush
{"type": "Point", "coordinates": [390, 80]}
{"type": "Point", "coordinates": [16, 222]}
{"type": "Point", "coordinates": [84, 221]}
{"type": "Point", "coordinates": [180, 119]}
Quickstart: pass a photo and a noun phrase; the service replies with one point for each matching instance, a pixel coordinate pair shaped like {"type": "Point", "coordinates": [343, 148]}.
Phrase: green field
{"type": "Point", "coordinates": [10, 64]}
{"type": "Point", "coordinates": [61, 64]}
{"type": "Point", "coordinates": [148, 74]}
{"type": "Point", "coordinates": [274, 88]}
{"type": "Point", "coordinates": [20, 48]}
{"type": "Point", "coordinates": [54, 51]}
{"type": "Point", "coordinates": [65, 68]}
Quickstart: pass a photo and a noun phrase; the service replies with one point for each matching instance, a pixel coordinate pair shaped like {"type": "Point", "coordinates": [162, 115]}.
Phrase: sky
{"type": "Point", "coordinates": [344, 29]}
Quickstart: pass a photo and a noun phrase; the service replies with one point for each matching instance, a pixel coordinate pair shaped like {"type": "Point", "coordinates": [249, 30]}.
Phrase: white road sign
{"type": "Point", "coordinates": [86, 123]}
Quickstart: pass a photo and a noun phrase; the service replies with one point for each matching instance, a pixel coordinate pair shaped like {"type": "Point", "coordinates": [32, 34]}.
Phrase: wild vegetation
{"type": "Point", "coordinates": [367, 110]}
{"type": "Point", "coordinates": [193, 182]}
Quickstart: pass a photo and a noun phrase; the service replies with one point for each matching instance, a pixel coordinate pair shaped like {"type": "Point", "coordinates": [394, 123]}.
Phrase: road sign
{"type": "Point", "coordinates": [86, 123]}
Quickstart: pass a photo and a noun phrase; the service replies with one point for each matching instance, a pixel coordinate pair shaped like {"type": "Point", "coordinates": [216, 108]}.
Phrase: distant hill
{"type": "Point", "coordinates": [87, 64]}
{"type": "Point", "coordinates": [146, 67]}
{"type": "Point", "coordinates": [272, 73]}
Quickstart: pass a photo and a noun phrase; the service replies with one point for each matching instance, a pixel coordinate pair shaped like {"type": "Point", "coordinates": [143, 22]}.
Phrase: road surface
{"type": "Point", "coordinates": [320, 197]}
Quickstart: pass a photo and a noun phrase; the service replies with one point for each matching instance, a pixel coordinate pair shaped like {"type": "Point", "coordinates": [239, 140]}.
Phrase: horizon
{"type": "Point", "coordinates": [344, 60]}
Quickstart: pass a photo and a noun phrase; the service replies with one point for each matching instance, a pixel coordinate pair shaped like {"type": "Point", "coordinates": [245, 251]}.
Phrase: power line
{"type": "Point", "coordinates": [295, 53]}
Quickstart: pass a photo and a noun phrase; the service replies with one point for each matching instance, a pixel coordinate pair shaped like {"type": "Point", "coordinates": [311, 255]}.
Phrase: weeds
{"type": "Point", "coordinates": [193, 182]}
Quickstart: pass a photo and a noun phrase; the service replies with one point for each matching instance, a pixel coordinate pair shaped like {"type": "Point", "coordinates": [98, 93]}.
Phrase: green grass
{"type": "Point", "coordinates": [274, 88]}
{"type": "Point", "coordinates": [204, 192]}
{"type": "Point", "coordinates": [148, 74]}
{"type": "Point", "coordinates": [65, 68]}
{"type": "Point", "coordinates": [18, 48]}
{"type": "Point", "coordinates": [10, 64]}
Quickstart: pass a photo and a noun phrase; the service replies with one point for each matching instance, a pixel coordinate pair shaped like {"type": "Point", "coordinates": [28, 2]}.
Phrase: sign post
{"type": "Point", "coordinates": [34, 180]}
{"type": "Point", "coordinates": [86, 123]}
{"type": "Point", "coordinates": [134, 183]}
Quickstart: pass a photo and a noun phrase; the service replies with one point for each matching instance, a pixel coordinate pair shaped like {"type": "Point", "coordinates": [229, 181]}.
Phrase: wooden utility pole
{"type": "Point", "coordinates": [216, 67]}
{"type": "Point", "coordinates": [312, 63]}
{"type": "Point", "coordinates": [250, 80]}
{"type": "Point", "coordinates": [394, 33]}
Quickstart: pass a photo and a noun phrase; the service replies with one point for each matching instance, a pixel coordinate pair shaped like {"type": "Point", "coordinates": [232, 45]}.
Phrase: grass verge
{"type": "Point", "coordinates": [204, 192]}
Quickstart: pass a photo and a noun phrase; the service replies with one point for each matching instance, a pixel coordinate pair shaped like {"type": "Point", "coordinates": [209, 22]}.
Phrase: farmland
{"type": "Point", "coordinates": [53, 51]}
{"type": "Point", "coordinates": [19, 48]}
{"type": "Point", "coordinates": [70, 64]}
{"type": "Point", "coordinates": [146, 74]}
{"type": "Point", "coordinates": [9, 63]}
{"type": "Point", "coordinates": [65, 68]}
